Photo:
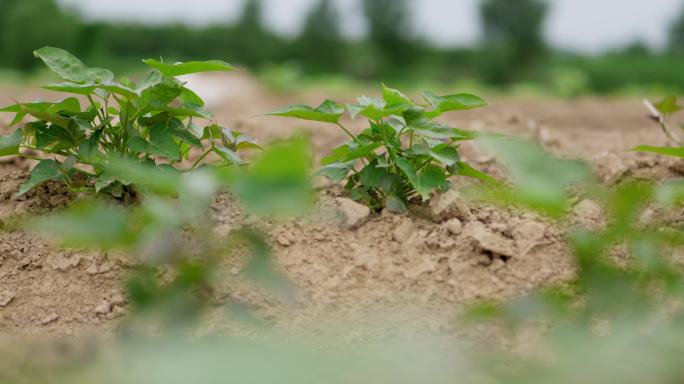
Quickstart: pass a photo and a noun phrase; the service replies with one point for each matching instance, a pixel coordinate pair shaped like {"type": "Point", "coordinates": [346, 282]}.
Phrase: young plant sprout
{"type": "Point", "coordinates": [153, 121]}
{"type": "Point", "coordinates": [662, 113]}
{"type": "Point", "coordinates": [403, 155]}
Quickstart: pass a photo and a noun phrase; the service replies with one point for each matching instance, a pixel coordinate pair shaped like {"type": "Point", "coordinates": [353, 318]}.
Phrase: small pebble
{"type": "Point", "coordinates": [49, 319]}
{"type": "Point", "coordinates": [283, 241]}
{"type": "Point", "coordinates": [454, 226]}
{"type": "Point", "coordinates": [6, 297]}
{"type": "Point", "coordinates": [104, 308]}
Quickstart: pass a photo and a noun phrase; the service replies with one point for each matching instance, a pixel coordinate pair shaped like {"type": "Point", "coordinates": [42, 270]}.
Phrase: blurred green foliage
{"type": "Point", "coordinates": [390, 36]}
{"type": "Point", "coordinates": [513, 49]}
{"type": "Point", "coordinates": [28, 25]}
{"type": "Point", "coordinates": [513, 36]}
{"type": "Point", "coordinates": [619, 321]}
{"type": "Point", "coordinates": [321, 41]}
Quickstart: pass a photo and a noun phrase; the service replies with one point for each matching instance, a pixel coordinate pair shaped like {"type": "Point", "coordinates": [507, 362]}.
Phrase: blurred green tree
{"type": "Point", "coordinates": [389, 32]}
{"type": "Point", "coordinates": [676, 34]}
{"type": "Point", "coordinates": [249, 41]}
{"type": "Point", "coordinates": [321, 46]}
{"type": "Point", "coordinates": [29, 24]}
{"type": "Point", "coordinates": [513, 34]}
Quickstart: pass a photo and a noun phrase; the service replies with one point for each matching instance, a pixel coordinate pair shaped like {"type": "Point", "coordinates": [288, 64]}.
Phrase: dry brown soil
{"type": "Point", "coordinates": [408, 272]}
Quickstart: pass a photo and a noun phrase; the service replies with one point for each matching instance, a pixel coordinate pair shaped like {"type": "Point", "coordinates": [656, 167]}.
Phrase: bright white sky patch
{"type": "Point", "coordinates": [583, 25]}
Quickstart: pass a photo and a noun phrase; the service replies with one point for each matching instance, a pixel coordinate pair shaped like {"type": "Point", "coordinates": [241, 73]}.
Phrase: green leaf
{"type": "Point", "coordinates": [337, 172]}
{"type": "Point", "coordinates": [419, 150]}
{"type": "Point", "coordinates": [228, 155]}
{"type": "Point", "coordinates": [160, 179]}
{"type": "Point", "coordinates": [446, 155]}
{"type": "Point", "coordinates": [89, 147]}
{"type": "Point", "coordinates": [104, 181]}
{"type": "Point", "coordinates": [138, 145]}
{"type": "Point", "coordinates": [9, 145]}
{"type": "Point", "coordinates": [70, 68]}
{"type": "Point", "coordinates": [540, 181]}
{"type": "Point", "coordinates": [163, 92]}
{"type": "Point", "coordinates": [668, 106]}
{"type": "Point", "coordinates": [395, 204]}
{"type": "Point", "coordinates": [667, 151]}
{"type": "Point", "coordinates": [464, 169]}
{"type": "Point", "coordinates": [151, 80]}
{"type": "Point", "coordinates": [44, 171]}
{"type": "Point", "coordinates": [430, 129]}
{"type": "Point", "coordinates": [328, 112]}
{"type": "Point", "coordinates": [412, 176]}
{"type": "Point", "coordinates": [186, 110]}
{"type": "Point", "coordinates": [51, 117]}
{"type": "Point", "coordinates": [459, 102]}
{"type": "Point", "coordinates": [89, 88]}
{"type": "Point", "coordinates": [187, 137]}
{"type": "Point", "coordinates": [16, 108]}
{"type": "Point", "coordinates": [179, 131]}
{"type": "Point", "coordinates": [369, 107]}
{"type": "Point", "coordinates": [372, 176]}
{"type": "Point", "coordinates": [278, 181]}
{"type": "Point", "coordinates": [162, 143]}
{"type": "Point", "coordinates": [46, 111]}
{"type": "Point", "coordinates": [179, 69]}
{"type": "Point", "coordinates": [92, 225]}
{"type": "Point", "coordinates": [245, 142]}
{"type": "Point", "coordinates": [189, 97]}
{"type": "Point", "coordinates": [432, 178]}
{"type": "Point", "coordinates": [69, 87]}
{"type": "Point", "coordinates": [394, 97]}
{"type": "Point", "coordinates": [351, 151]}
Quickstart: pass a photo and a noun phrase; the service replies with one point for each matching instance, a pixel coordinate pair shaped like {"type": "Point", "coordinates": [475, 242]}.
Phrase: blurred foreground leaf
{"type": "Point", "coordinates": [539, 181]}
{"type": "Point", "coordinates": [278, 182]}
{"type": "Point", "coordinates": [88, 224]}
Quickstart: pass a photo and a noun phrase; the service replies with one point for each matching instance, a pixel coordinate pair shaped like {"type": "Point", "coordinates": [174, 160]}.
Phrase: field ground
{"type": "Point", "coordinates": [408, 274]}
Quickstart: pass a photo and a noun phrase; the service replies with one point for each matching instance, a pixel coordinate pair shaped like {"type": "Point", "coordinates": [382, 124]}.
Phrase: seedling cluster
{"type": "Point", "coordinates": [404, 153]}
{"type": "Point", "coordinates": [154, 121]}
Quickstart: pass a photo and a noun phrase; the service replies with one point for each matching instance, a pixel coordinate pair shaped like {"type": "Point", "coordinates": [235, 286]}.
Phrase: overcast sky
{"type": "Point", "coordinates": [582, 25]}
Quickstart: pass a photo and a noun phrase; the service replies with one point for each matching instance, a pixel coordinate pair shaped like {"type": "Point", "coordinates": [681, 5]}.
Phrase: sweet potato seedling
{"type": "Point", "coordinates": [662, 113]}
{"type": "Point", "coordinates": [154, 121]}
{"type": "Point", "coordinates": [405, 154]}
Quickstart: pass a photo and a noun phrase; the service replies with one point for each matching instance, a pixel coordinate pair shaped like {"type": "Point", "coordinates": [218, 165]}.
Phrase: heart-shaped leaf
{"type": "Point", "coordinates": [45, 170]}
{"type": "Point", "coordinates": [70, 68]}
{"type": "Point", "coordinates": [328, 112]}
{"type": "Point", "coordinates": [459, 102]}
{"type": "Point", "coordinates": [179, 69]}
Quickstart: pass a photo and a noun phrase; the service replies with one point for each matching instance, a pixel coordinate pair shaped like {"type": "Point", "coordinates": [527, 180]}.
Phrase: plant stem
{"type": "Point", "coordinates": [347, 132]}
{"type": "Point", "coordinates": [662, 121]}
{"type": "Point", "coordinates": [199, 160]}
{"type": "Point", "coordinates": [30, 157]}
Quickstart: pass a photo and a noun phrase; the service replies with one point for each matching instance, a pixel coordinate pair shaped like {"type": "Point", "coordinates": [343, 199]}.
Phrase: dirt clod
{"type": "Point", "coordinates": [454, 226]}
{"type": "Point", "coordinates": [352, 214]}
{"type": "Point", "coordinates": [448, 205]}
{"type": "Point", "coordinates": [527, 234]}
{"type": "Point", "coordinates": [63, 263]}
{"type": "Point", "coordinates": [609, 167]}
{"type": "Point", "coordinates": [489, 241]}
{"type": "Point", "coordinates": [283, 241]}
{"type": "Point", "coordinates": [6, 298]}
{"type": "Point", "coordinates": [103, 308]}
{"type": "Point", "coordinates": [403, 232]}
{"type": "Point", "coordinates": [587, 213]}
{"type": "Point", "coordinates": [49, 319]}
{"type": "Point", "coordinates": [118, 299]}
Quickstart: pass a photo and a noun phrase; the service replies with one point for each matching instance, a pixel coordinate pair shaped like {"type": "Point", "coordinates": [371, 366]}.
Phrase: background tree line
{"type": "Point", "coordinates": [512, 50]}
